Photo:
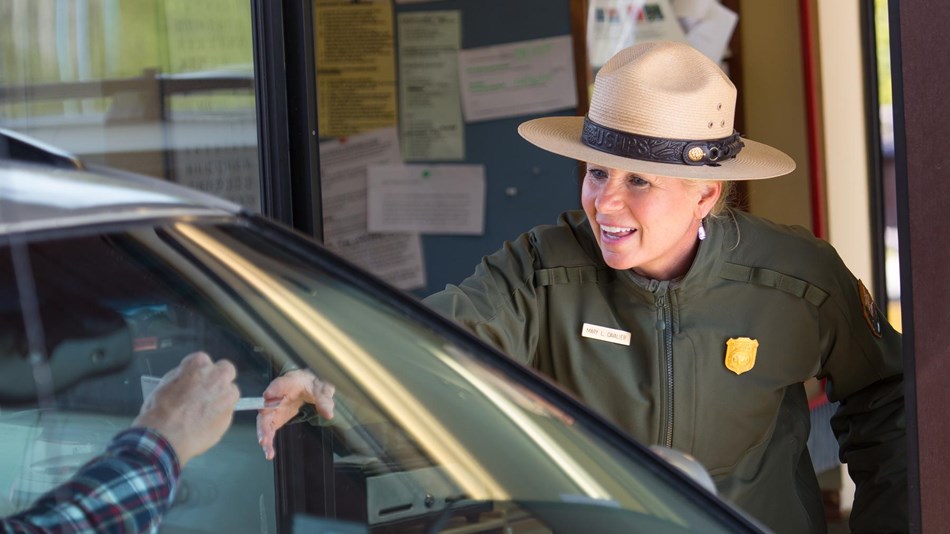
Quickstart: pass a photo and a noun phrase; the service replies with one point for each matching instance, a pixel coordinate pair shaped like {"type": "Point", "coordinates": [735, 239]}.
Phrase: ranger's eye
{"type": "Point", "coordinates": [637, 181]}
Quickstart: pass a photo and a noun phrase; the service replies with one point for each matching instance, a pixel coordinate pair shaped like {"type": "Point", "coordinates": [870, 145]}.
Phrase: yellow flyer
{"type": "Point", "coordinates": [356, 66]}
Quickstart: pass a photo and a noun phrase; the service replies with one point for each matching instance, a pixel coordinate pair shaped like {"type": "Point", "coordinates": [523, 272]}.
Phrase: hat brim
{"type": "Point", "coordinates": [562, 135]}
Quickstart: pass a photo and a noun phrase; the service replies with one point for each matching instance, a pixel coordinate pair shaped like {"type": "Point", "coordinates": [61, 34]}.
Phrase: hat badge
{"type": "Point", "coordinates": [695, 154]}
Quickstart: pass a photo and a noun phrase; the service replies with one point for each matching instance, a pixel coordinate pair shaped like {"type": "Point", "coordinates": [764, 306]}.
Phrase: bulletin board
{"type": "Point", "coordinates": [524, 186]}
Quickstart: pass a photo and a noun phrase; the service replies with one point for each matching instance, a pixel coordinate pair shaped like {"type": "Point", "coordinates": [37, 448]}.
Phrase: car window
{"type": "Point", "coordinates": [432, 432]}
{"type": "Point", "coordinates": [88, 288]}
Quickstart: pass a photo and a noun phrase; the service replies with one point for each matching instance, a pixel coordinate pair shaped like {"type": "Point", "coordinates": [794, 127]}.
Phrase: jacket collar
{"type": "Point", "coordinates": [706, 265]}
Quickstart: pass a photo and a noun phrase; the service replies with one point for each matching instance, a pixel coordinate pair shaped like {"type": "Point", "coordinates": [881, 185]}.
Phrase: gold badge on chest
{"type": "Point", "coordinates": [740, 354]}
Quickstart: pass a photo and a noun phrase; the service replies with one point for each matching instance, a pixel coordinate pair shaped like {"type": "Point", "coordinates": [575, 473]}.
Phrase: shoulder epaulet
{"type": "Point", "coordinates": [776, 280]}
{"type": "Point", "coordinates": [571, 275]}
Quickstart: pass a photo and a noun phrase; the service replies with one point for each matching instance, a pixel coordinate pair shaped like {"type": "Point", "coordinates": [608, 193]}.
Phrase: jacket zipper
{"type": "Point", "coordinates": [665, 324]}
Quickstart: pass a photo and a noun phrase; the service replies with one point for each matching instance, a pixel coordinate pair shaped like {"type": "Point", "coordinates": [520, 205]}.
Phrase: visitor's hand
{"type": "Point", "coordinates": [193, 405]}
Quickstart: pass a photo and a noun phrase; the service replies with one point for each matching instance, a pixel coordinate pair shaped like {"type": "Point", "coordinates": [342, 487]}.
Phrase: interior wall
{"type": "Point", "coordinates": [773, 97]}
{"type": "Point", "coordinates": [773, 90]}
{"type": "Point", "coordinates": [845, 126]}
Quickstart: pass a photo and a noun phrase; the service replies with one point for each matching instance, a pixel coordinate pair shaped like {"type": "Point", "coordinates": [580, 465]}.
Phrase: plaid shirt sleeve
{"type": "Point", "coordinates": [126, 489]}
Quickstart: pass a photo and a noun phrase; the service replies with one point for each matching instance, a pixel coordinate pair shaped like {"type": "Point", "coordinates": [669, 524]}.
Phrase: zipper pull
{"type": "Point", "coordinates": [660, 296]}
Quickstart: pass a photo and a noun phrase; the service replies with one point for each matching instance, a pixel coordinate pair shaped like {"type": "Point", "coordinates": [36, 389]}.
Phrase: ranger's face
{"type": "Point", "coordinates": [645, 222]}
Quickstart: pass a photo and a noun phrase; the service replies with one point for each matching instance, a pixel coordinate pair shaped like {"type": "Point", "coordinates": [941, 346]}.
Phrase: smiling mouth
{"type": "Point", "coordinates": [616, 232]}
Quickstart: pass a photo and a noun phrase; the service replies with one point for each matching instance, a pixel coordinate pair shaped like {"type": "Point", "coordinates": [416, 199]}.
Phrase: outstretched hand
{"type": "Point", "coordinates": [293, 390]}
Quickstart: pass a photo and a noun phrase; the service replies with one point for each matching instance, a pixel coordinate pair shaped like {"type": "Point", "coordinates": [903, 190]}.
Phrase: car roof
{"type": "Point", "coordinates": [39, 197]}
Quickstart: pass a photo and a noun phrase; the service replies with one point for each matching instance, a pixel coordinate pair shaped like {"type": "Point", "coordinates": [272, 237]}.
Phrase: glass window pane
{"type": "Point", "coordinates": [158, 87]}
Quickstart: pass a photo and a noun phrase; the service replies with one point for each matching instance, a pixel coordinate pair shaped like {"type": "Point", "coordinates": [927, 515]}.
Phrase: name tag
{"type": "Point", "coordinates": [603, 333]}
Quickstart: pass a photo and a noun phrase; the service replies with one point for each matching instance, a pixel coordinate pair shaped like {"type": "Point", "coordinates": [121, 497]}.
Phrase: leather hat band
{"type": "Point", "coordinates": [642, 147]}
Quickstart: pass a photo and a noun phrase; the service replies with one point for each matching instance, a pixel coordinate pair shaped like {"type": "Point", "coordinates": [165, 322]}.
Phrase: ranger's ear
{"type": "Point", "coordinates": [709, 193]}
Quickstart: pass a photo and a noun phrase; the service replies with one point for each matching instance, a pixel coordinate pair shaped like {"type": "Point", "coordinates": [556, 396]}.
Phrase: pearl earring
{"type": "Point", "coordinates": [702, 232]}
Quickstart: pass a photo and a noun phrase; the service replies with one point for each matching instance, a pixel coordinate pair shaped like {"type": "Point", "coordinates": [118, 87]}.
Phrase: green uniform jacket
{"type": "Point", "coordinates": [777, 285]}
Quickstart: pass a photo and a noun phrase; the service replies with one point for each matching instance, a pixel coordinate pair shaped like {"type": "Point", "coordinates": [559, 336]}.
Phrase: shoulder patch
{"type": "Point", "coordinates": [872, 316]}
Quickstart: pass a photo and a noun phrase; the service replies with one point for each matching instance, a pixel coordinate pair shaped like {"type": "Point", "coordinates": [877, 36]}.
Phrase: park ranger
{"type": "Point", "coordinates": [689, 324]}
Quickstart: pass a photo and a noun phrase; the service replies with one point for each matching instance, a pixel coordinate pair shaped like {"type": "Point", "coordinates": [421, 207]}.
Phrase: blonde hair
{"type": "Point", "coordinates": [726, 198]}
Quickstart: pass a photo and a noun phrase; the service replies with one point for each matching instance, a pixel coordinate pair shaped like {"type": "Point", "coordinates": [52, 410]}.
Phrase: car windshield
{"type": "Point", "coordinates": [432, 432]}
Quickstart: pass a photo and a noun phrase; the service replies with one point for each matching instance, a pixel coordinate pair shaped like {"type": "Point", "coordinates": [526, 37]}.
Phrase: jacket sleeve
{"type": "Point", "coordinates": [126, 489]}
{"type": "Point", "coordinates": [498, 302]}
{"type": "Point", "coordinates": [863, 363]}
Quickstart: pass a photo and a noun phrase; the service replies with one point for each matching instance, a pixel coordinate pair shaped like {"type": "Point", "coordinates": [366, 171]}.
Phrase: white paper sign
{"type": "Point", "coordinates": [396, 258]}
{"type": "Point", "coordinates": [429, 108]}
{"type": "Point", "coordinates": [711, 33]}
{"type": "Point", "coordinates": [611, 26]}
{"type": "Point", "coordinates": [436, 199]}
{"type": "Point", "coordinates": [517, 78]}
{"type": "Point", "coordinates": [696, 9]}
{"type": "Point", "coordinates": [657, 21]}
{"type": "Point", "coordinates": [228, 172]}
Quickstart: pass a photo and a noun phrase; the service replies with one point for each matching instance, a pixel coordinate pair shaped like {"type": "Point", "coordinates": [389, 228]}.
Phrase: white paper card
{"type": "Point", "coordinates": [254, 403]}
{"type": "Point", "coordinates": [430, 199]}
{"type": "Point", "coordinates": [517, 78]}
{"type": "Point", "coordinates": [149, 383]}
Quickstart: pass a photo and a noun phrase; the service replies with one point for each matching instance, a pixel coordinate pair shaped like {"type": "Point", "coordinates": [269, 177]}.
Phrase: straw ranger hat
{"type": "Point", "coordinates": [661, 108]}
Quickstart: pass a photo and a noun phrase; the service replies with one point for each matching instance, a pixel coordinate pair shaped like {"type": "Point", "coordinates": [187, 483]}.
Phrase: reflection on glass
{"type": "Point", "coordinates": [158, 87]}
